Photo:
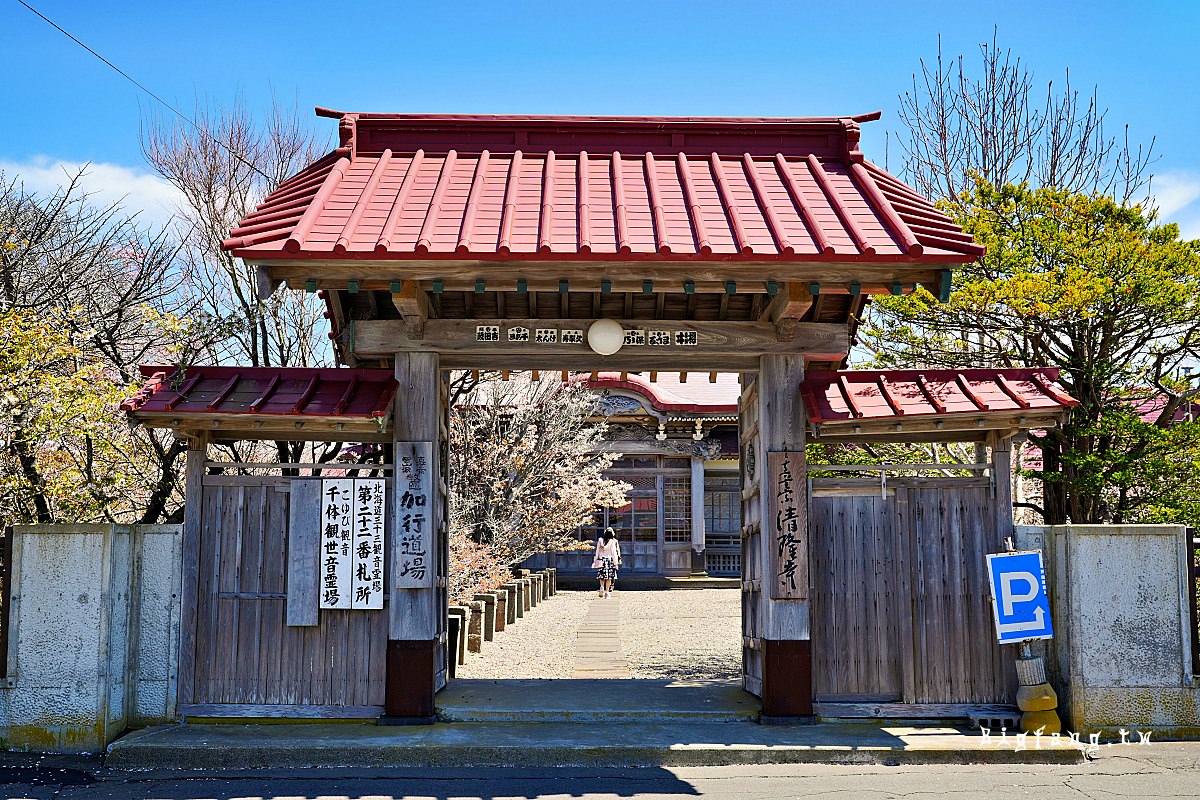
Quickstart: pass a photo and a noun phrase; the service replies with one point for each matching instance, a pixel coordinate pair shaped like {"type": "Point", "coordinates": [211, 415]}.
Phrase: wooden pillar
{"type": "Point", "coordinates": [698, 567]}
{"type": "Point", "coordinates": [786, 646]}
{"type": "Point", "coordinates": [415, 614]}
{"type": "Point", "coordinates": [193, 504]}
{"type": "Point", "coordinates": [1002, 450]}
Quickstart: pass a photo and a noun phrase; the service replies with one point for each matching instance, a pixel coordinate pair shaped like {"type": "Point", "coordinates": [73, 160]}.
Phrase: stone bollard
{"type": "Point", "coordinates": [501, 617]}
{"type": "Point", "coordinates": [529, 601]}
{"type": "Point", "coordinates": [1035, 697]}
{"type": "Point", "coordinates": [475, 627]}
{"type": "Point", "coordinates": [535, 589]}
{"type": "Point", "coordinates": [461, 613]}
{"type": "Point", "coordinates": [522, 597]}
{"type": "Point", "coordinates": [510, 606]}
{"type": "Point", "coordinates": [553, 573]}
{"type": "Point", "coordinates": [489, 614]}
{"type": "Point", "coordinates": [545, 576]}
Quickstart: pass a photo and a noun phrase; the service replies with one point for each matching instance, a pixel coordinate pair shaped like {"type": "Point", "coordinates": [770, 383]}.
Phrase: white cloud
{"type": "Point", "coordinates": [1177, 195]}
{"type": "Point", "coordinates": [135, 189]}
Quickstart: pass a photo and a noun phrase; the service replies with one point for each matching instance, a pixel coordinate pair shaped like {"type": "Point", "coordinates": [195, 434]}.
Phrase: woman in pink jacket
{"type": "Point", "coordinates": [607, 560]}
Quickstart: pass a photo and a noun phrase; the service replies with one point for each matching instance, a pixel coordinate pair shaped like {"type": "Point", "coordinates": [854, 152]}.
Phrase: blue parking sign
{"type": "Point", "coordinates": [1019, 600]}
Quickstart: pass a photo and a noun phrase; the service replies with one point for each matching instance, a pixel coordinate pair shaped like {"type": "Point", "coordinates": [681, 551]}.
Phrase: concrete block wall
{"type": "Point", "coordinates": [93, 634]}
{"type": "Point", "coordinates": [1121, 656]}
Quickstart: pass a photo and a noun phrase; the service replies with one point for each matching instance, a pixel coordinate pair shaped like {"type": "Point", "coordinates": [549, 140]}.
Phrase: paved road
{"type": "Point", "coordinates": [1160, 770]}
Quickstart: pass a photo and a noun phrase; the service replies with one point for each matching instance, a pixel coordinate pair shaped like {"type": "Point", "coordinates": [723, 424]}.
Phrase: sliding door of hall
{"type": "Point", "coordinates": [901, 608]}
{"type": "Point", "coordinates": [238, 655]}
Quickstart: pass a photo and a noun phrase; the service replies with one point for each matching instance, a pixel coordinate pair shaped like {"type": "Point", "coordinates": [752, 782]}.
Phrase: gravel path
{"type": "Point", "coordinates": [539, 645]}
{"type": "Point", "coordinates": [683, 634]}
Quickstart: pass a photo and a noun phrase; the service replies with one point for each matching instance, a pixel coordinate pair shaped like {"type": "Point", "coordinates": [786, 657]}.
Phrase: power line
{"type": "Point", "coordinates": [132, 80]}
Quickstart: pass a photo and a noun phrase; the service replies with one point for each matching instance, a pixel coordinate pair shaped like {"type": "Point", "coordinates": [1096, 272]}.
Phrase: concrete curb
{"type": "Point", "coordinates": [524, 745]}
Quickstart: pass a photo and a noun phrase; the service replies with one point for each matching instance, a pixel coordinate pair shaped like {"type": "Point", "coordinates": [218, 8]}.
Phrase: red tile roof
{"type": "Point", "coordinates": [698, 395]}
{"type": "Point", "coordinates": [852, 396]}
{"type": "Point", "coordinates": [545, 188]}
{"type": "Point", "coordinates": [365, 394]}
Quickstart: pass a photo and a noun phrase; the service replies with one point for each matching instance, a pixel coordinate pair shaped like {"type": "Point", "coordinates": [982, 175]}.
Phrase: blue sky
{"type": "Point", "coordinates": [62, 106]}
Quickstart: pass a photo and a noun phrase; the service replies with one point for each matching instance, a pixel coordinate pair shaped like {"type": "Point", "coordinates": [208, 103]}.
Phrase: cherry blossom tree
{"type": "Point", "coordinates": [525, 471]}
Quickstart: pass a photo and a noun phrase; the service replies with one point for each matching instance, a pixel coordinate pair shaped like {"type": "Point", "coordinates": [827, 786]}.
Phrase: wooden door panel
{"type": "Point", "coordinates": [247, 660]}
{"type": "Point", "coordinates": [677, 561]}
{"type": "Point", "coordinates": [901, 609]}
{"type": "Point", "coordinates": [855, 603]}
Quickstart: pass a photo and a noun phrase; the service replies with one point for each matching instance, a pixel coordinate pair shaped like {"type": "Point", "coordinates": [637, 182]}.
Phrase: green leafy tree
{"type": "Point", "coordinates": [66, 456]}
{"type": "Point", "coordinates": [110, 286]}
{"type": "Point", "coordinates": [1099, 289]}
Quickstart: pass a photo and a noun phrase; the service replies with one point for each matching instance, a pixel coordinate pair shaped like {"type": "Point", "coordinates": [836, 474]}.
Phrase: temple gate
{"type": "Point", "coordinates": [580, 244]}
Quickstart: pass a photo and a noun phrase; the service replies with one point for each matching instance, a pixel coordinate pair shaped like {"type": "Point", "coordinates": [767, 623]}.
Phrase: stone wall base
{"type": "Point", "coordinates": [93, 635]}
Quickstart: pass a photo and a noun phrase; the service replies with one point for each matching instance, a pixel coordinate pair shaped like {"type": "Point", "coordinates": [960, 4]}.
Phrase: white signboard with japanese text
{"type": "Point", "coordinates": [369, 504]}
{"type": "Point", "coordinates": [337, 558]}
{"type": "Point", "coordinates": [786, 525]}
{"type": "Point", "coordinates": [352, 543]}
{"type": "Point", "coordinates": [412, 567]}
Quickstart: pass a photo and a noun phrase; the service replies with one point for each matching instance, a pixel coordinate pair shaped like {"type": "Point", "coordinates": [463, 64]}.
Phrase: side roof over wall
{"type": "Point", "coordinates": [267, 402]}
{"type": "Point", "coordinates": [848, 405]}
{"type": "Point", "coordinates": [416, 187]}
{"type": "Point", "coordinates": [931, 404]}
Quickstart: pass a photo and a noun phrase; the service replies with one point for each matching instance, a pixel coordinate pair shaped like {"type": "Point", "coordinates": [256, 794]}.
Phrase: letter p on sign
{"type": "Point", "coordinates": [1011, 597]}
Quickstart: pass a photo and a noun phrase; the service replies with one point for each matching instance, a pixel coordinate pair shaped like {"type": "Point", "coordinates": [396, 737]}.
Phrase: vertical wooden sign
{"type": "Point", "coordinates": [787, 525]}
{"type": "Point", "coordinates": [369, 503]}
{"type": "Point", "coordinates": [412, 567]}
{"type": "Point", "coordinates": [337, 558]}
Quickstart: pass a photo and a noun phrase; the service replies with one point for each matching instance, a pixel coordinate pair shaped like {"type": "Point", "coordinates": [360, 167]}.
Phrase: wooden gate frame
{"type": "Point", "coordinates": [777, 654]}
{"type": "Point", "coordinates": [757, 240]}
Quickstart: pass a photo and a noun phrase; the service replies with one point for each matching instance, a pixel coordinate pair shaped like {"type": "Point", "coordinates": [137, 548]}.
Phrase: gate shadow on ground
{"type": "Point", "coordinates": [495, 783]}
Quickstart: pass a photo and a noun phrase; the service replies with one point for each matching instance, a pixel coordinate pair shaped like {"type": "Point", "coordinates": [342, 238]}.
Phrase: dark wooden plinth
{"type": "Point", "coordinates": [409, 697]}
{"type": "Point", "coordinates": [787, 680]}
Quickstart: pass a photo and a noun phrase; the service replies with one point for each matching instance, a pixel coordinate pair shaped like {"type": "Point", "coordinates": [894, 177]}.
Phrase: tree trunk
{"type": "Point", "coordinates": [157, 506]}
{"type": "Point", "coordinates": [30, 469]}
{"type": "Point", "coordinates": [1054, 500]}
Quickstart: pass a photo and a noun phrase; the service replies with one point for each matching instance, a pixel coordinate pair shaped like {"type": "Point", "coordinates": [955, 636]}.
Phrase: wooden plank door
{"type": "Point", "coordinates": [245, 659]}
{"type": "Point", "coordinates": [857, 603]}
{"type": "Point", "coordinates": [901, 610]}
{"type": "Point", "coordinates": [956, 659]}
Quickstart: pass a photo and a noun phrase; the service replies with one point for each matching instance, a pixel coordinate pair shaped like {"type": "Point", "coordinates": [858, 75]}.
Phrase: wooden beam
{"type": "Point", "coordinates": [709, 276]}
{"type": "Point", "coordinates": [790, 304]}
{"type": "Point", "coordinates": [717, 344]}
{"type": "Point", "coordinates": [413, 305]}
{"type": "Point", "coordinates": [948, 429]}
